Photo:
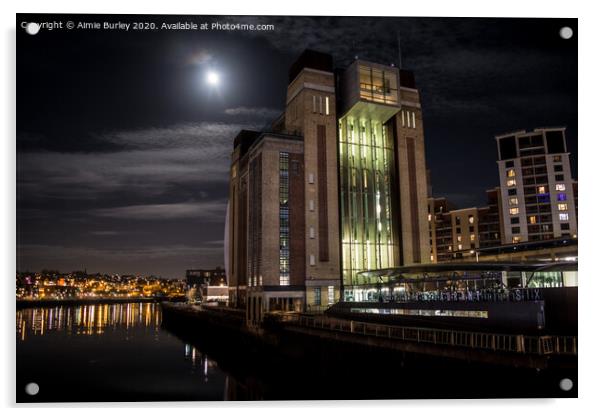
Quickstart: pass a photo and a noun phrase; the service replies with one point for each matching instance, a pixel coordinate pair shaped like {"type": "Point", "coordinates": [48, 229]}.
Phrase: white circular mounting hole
{"type": "Point", "coordinates": [32, 389]}
{"type": "Point", "coordinates": [32, 28]}
{"type": "Point", "coordinates": [566, 32]}
{"type": "Point", "coordinates": [566, 384]}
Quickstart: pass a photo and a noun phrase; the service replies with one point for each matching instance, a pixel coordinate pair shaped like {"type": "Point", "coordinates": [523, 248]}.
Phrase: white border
{"type": "Point", "coordinates": [589, 92]}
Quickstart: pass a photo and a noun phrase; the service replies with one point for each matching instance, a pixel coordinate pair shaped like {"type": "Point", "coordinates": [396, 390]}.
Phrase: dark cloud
{"type": "Point", "coordinates": [124, 151]}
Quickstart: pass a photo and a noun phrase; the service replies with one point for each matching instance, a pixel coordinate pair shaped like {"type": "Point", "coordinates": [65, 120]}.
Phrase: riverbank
{"type": "Point", "coordinates": [303, 363]}
{"type": "Point", "coordinates": [50, 303]}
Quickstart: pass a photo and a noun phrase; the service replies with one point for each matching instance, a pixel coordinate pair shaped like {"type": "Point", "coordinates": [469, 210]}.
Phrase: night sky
{"type": "Point", "coordinates": [123, 148]}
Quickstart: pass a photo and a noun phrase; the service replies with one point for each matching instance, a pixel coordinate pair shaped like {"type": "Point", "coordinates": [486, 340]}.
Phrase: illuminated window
{"type": "Point", "coordinates": [312, 232]}
{"type": "Point", "coordinates": [449, 248]}
{"type": "Point", "coordinates": [511, 182]}
{"type": "Point", "coordinates": [562, 196]}
{"type": "Point", "coordinates": [413, 120]}
{"type": "Point", "coordinates": [430, 217]}
{"type": "Point", "coordinates": [541, 189]}
{"type": "Point", "coordinates": [312, 260]}
{"type": "Point", "coordinates": [471, 219]}
{"type": "Point", "coordinates": [563, 216]}
{"type": "Point", "coordinates": [560, 187]}
{"type": "Point", "coordinates": [472, 237]}
{"type": "Point", "coordinates": [514, 211]}
{"type": "Point", "coordinates": [459, 246]}
{"type": "Point", "coordinates": [557, 158]}
{"type": "Point", "coordinates": [311, 205]}
{"type": "Point", "coordinates": [432, 257]}
{"type": "Point", "coordinates": [330, 295]}
{"type": "Point", "coordinates": [327, 106]}
{"type": "Point", "coordinates": [532, 219]}
{"type": "Point", "coordinates": [513, 201]}
{"type": "Point", "coordinates": [510, 173]}
{"type": "Point", "coordinates": [459, 238]}
{"type": "Point", "coordinates": [516, 239]}
{"type": "Point", "coordinates": [563, 207]}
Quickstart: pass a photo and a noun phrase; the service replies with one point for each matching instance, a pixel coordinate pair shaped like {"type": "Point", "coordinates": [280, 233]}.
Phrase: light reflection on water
{"type": "Point", "coordinates": [86, 319]}
{"type": "Point", "coordinates": [120, 349]}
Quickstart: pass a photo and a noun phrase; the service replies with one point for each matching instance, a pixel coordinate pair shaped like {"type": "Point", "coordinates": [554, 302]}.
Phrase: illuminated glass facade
{"type": "Point", "coordinates": [378, 85]}
{"type": "Point", "coordinates": [367, 169]}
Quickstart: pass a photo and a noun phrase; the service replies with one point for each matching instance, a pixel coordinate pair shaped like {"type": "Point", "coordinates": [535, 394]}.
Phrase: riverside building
{"type": "Point", "coordinates": [337, 186]}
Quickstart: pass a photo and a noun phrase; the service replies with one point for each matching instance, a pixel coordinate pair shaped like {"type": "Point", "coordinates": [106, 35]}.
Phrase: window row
{"type": "Point", "coordinates": [320, 104]}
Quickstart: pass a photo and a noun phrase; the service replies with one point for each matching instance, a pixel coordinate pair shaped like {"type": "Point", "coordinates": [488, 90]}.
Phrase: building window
{"type": "Point", "coordinates": [311, 178]}
{"type": "Point", "coordinates": [459, 246]}
{"type": "Point", "coordinates": [541, 189]}
{"type": "Point", "coordinates": [514, 211]}
{"type": "Point", "coordinates": [514, 220]}
{"type": "Point", "coordinates": [563, 216]}
{"type": "Point", "coordinates": [512, 191]}
{"type": "Point", "coordinates": [317, 296]}
{"type": "Point", "coordinates": [559, 177]}
{"type": "Point", "coordinates": [472, 237]}
{"type": "Point", "coordinates": [557, 168]}
{"type": "Point", "coordinates": [515, 230]}
{"type": "Point", "coordinates": [511, 182]}
{"type": "Point", "coordinates": [561, 196]}
{"type": "Point", "coordinates": [312, 260]}
{"type": "Point", "coordinates": [413, 120]}
{"type": "Point", "coordinates": [532, 219]}
{"type": "Point", "coordinates": [430, 217]}
{"type": "Point", "coordinates": [513, 201]}
{"type": "Point", "coordinates": [516, 239]}
{"type": "Point", "coordinates": [311, 205]}
{"type": "Point", "coordinates": [510, 173]}
{"type": "Point", "coordinates": [314, 104]}
{"type": "Point", "coordinates": [557, 158]}
{"type": "Point", "coordinates": [330, 295]}
{"type": "Point", "coordinates": [312, 232]}
{"type": "Point", "coordinates": [471, 219]}
{"type": "Point", "coordinates": [563, 207]}
{"type": "Point", "coordinates": [327, 106]}
{"type": "Point", "coordinates": [457, 220]}
{"type": "Point", "coordinates": [285, 277]}
{"type": "Point", "coordinates": [565, 226]}
{"type": "Point", "coordinates": [510, 164]}
{"type": "Point", "coordinates": [560, 187]}
{"type": "Point", "coordinates": [459, 238]}
{"type": "Point", "coordinates": [320, 102]}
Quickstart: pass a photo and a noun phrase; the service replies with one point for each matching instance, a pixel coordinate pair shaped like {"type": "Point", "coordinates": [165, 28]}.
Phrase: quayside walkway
{"type": "Point", "coordinates": [508, 349]}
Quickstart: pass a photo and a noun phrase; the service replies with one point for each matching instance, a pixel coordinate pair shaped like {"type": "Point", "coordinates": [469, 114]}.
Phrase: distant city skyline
{"type": "Point", "coordinates": [123, 147]}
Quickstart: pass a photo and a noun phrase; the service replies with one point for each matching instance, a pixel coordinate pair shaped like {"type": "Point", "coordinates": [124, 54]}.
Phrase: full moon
{"type": "Point", "coordinates": [212, 78]}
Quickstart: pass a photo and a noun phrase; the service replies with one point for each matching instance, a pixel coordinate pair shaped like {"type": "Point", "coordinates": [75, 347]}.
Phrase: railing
{"type": "Point", "coordinates": [481, 295]}
{"type": "Point", "coordinates": [523, 344]}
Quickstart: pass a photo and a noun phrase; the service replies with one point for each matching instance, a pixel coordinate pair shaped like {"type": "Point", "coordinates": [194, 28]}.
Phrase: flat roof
{"type": "Point", "coordinates": [480, 267]}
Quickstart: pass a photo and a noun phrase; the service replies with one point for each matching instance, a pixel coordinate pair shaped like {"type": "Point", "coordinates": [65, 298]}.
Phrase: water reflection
{"type": "Point", "coordinates": [86, 319]}
{"type": "Point", "coordinates": [118, 352]}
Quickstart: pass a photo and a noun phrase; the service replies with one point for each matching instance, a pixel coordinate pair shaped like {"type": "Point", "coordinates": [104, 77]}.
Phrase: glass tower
{"type": "Point", "coordinates": [369, 233]}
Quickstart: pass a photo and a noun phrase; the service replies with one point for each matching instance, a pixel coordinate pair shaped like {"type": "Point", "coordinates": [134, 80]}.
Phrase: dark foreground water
{"type": "Point", "coordinates": [123, 353]}
{"type": "Point", "coordinates": [110, 353]}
